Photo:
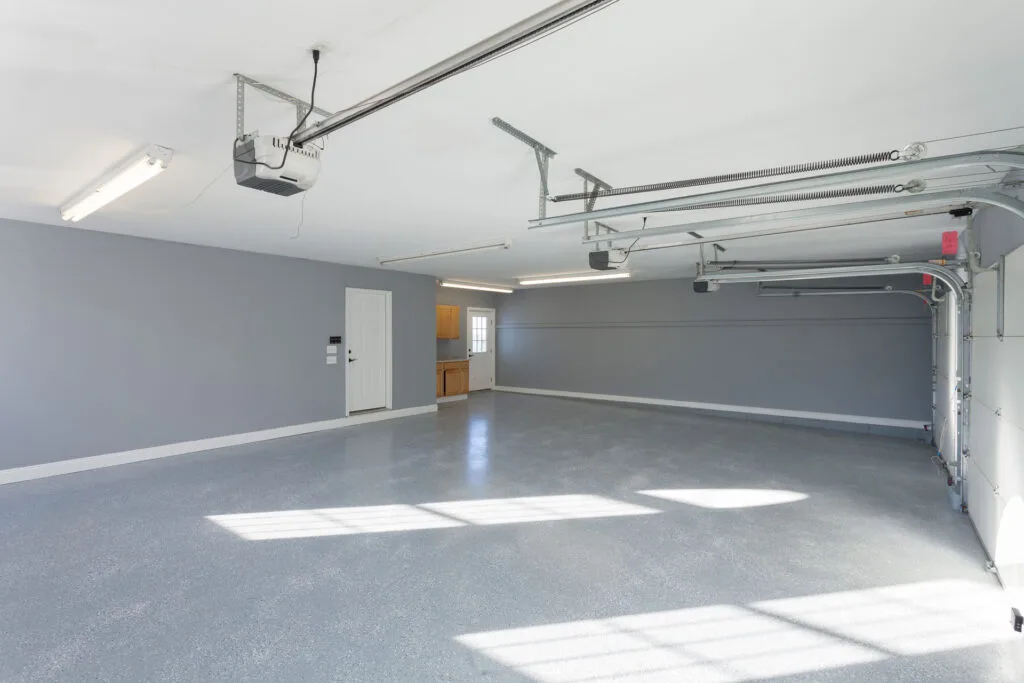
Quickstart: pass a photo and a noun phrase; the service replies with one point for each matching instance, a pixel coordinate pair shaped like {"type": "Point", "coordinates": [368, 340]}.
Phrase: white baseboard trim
{"type": "Point", "coordinates": [726, 408]}
{"type": "Point", "coordinates": [93, 462]}
{"type": "Point", "coordinates": [452, 399]}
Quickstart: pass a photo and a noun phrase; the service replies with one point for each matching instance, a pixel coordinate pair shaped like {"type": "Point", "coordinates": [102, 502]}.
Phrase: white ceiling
{"type": "Point", "coordinates": [644, 91]}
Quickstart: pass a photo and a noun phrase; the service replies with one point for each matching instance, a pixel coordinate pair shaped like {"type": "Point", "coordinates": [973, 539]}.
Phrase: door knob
{"type": "Point", "coordinates": [352, 360]}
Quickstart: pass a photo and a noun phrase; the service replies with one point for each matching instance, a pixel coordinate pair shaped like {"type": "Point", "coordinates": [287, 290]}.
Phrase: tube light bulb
{"type": "Point", "coordinates": [573, 278]}
{"type": "Point", "coordinates": [481, 288]}
{"type": "Point", "coordinates": [127, 178]}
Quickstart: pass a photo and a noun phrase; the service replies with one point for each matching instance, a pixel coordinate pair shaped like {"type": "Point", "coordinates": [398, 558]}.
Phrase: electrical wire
{"type": "Point", "coordinates": [373, 101]}
{"type": "Point", "coordinates": [191, 201]}
{"type": "Point", "coordinates": [298, 126]}
{"type": "Point", "coordinates": [302, 217]}
{"type": "Point", "coordinates": [629, 249]}
{"type": "Point", "coordinates": [972, 135]}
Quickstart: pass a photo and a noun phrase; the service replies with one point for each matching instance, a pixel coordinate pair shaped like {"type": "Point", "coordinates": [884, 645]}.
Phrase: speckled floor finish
{"type": "Point", "coordinates": [118, 575]}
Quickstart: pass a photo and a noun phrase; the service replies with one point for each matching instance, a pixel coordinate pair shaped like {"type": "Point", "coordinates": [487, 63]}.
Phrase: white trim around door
{"type": "Point", "coordinates": [387, 351]}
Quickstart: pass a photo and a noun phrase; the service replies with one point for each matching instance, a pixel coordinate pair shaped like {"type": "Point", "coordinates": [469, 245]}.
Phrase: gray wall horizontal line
{"type": "Point", "coordinates": [859, 322]}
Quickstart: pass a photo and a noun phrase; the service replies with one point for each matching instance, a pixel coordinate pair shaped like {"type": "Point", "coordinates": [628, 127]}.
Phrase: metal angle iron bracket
{"type": "Point", "coordinates": [301, 106]}
{"type": "Point", "coordinates": [590, 195]}
{"type": "Point", "coordinates": [542, 152]}
{"type": "Point", "coordinates": [1001, 298]}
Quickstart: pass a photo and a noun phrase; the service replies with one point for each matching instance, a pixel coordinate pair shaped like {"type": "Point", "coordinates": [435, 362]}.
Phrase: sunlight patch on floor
{"type": "Point", "coordinates": [537, 509]}
{"type": "Point", "coordinates": [261, 526]}
{"type": "Point", "coordinates": [732, 644]}
{"type": "Point", "coordinates": [722, 499]}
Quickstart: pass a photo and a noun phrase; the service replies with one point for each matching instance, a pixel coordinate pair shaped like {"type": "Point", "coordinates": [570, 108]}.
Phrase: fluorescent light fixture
{"type": "Point", "coordinates": [126, 177]}
{"type": "Point", "coordinates": [573, 278]}
{"type": "Point", "coordinates": [481, 288]}
{"type": "Point", "coordinates": [448, 252]}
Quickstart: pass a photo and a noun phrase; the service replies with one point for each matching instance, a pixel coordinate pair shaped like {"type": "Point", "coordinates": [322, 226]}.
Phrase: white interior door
{"type": "Point", "coordinates": [480, 326]}
{"type": "Point", "coordinates": [368, 330]}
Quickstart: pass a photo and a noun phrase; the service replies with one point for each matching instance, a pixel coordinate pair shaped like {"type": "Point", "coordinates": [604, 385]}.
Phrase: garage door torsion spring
{"type": "Point", "coordinates": [837, 193]}
{"type": "Point", "coordinates": [828, 164]}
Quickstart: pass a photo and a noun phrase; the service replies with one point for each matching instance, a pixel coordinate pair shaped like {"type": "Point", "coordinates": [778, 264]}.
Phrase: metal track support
{"type": "Point", "coordinates": [908, 169]}
{"type": "Point", "coordinates": [542, 152]}
{"type": "Point", "coordinates": [301, 106]}
{"type": "Point", "coordinates": [589, 197]}
{"type": "Point", "coordinates": [239, 107]}
{"type": "Point", "coordinates": [1001, 298]}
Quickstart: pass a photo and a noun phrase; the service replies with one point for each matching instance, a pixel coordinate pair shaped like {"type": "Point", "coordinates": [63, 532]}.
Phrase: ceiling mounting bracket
{"type": "Point", "coordinates": [592, 186]}
{"type": "Point", "coordinates": [301, 106]}
{"type": "Point", "coordinates": [543, 154]}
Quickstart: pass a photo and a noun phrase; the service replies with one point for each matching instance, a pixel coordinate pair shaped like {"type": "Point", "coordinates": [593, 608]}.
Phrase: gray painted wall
{"type": "Point", "coordinates": [112, 343]}
{"type": "Point", "coordinates": [867, 356]}
{"type": "Point", "coordinates": [464, 298]}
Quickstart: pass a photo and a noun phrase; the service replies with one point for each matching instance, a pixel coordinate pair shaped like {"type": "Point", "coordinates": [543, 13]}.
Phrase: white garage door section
{"type": "Point", "coordinates": [480, 326]}
{"type": "Point", "coordinates": [368, 329]}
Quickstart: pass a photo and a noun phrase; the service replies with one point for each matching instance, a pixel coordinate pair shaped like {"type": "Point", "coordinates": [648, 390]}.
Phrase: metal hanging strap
{"type": "Point", "coordinates": [542, 152]}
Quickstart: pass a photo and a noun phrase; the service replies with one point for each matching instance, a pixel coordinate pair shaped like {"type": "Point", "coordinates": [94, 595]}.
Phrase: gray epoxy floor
{"type": "Point", "coordinates": [117, 575]}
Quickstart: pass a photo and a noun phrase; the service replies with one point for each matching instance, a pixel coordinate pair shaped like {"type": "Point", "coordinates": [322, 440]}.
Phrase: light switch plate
{"type": "Point", "coordinates": [332, 349]}
{"type": "Point", "coordinates": [332, 360]}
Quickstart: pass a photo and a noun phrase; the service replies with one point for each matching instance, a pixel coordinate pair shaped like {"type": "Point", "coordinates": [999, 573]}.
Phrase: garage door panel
{"type": "Point", "coordinates": [983, 311]}
{"type": "Point", "coordinates": [997, 375]}
{"type": "Point", "coordinates": [1014, 316]}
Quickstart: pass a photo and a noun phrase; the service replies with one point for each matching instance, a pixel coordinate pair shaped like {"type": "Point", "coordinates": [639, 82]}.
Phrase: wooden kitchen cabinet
{"type": "Point", "coordinates": [448, 320]}
{"type": "Point", "coordinates": [440, 380]}
{"type": "Point", "coordinates": [456, 377]}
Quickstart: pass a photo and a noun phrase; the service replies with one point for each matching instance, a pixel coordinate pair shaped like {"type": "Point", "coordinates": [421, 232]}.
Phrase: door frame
{"type": "Point", "coordinates": [493, 341]}
{"type": "Point", "coordinates": [388, 328]}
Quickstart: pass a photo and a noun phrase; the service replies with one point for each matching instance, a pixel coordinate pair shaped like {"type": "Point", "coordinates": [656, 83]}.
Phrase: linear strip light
{"type": "Point", "coordinates": [449, 252]}
{"type": "Point", "coordinates": [573, 278]}
{"type": "Point", "coordinates": [123, 179]}
{"type": "Point", "coordinates": [479, 288]}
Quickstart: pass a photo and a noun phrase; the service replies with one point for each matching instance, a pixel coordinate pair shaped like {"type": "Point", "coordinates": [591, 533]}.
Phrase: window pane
{"type": "Point", "coordinates": [478, 326]}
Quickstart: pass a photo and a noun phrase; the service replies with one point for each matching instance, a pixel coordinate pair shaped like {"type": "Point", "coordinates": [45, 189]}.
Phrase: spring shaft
{"type": "Point", "coordinates": [858, 160]}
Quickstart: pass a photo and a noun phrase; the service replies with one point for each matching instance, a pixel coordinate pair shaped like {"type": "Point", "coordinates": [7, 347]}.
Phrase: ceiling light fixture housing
{"type": "Point", "coordinates": [124, 178]}
{"type": "Point", "coordinates": [557, 280]}
{"type": "Point", "coordinates": [479, 288]}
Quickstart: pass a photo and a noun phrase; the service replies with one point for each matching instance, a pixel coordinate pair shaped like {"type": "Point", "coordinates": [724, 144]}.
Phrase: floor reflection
{"type": "Point", "coordinates": [478, 452]}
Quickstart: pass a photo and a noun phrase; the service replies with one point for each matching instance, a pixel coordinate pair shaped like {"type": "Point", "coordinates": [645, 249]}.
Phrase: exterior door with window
{"type": "Point", "coordinates": [480, 329]}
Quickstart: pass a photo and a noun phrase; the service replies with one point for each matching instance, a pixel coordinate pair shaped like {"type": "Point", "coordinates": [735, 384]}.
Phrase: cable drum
{"type": "Point", "coordinates": [808, 167]}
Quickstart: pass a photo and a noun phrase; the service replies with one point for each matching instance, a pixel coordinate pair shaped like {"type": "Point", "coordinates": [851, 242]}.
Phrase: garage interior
{"type": "Point", "coordinates": [608, 341]}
